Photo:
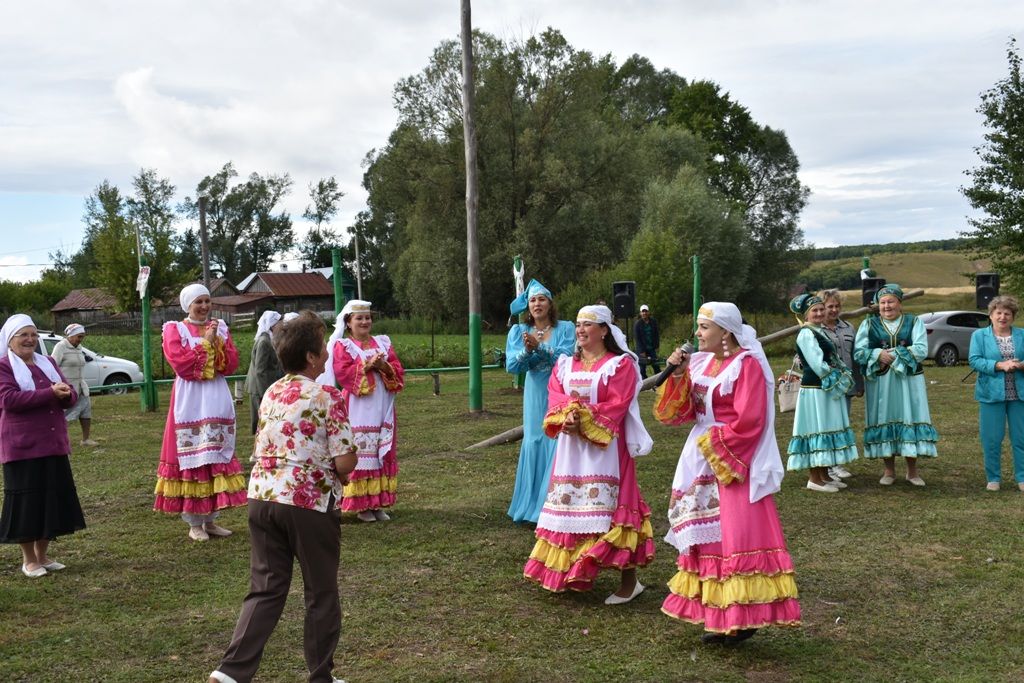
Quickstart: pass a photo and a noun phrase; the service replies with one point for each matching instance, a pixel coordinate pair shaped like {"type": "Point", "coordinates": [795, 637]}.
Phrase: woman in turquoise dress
{"type": "Point", "coordinates": [890, 347]}
{"type": "Point", "coordinates": [822, 437]}
{"type": "Point", "coordinates": [532, 348]}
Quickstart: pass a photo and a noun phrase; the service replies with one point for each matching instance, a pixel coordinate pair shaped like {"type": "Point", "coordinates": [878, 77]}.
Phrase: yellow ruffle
{"type": "Point", "coordinates": [200, 489]}
{"type": "Point", "coordinates": [211, 353]}
{"type": "Point", "coordinates": [741, 589]}
{"type": "Point", "coordinates": [723, 472]}
{"type": "Point", "coordinates": [590, 429]}
{"type": "Point", "coordinates": [372, 486]}
{"type": "Point", "coordinates": [560, 559]}
{"type": "Point", "coordinates": [671, 398]}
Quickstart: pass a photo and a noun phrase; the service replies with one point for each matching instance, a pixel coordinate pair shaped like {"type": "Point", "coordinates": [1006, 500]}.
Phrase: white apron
{"type": "Point", "coordinates": [693, 513]}
{"type": "Point", "coordinates": [204, 414]}
{"type": "Point", "coordinates": [372, 416]}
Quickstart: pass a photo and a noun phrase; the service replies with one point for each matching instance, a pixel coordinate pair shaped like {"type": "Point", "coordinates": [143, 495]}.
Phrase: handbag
{"type": "Point", "coordinates": [789, 389]}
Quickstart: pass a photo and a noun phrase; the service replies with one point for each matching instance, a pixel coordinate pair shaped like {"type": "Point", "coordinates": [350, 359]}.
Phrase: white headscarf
{"type": "Point", "coordinates": [354, 306]}
{"type": "Point", "coordinates": [327, 377]}
{"type": "Point", "coordinates": [291, 315]}
{"type": "Point", "coordinates": [73, 329]}
{"type": "Point", "coordinates": [638, 440]}
{"type": "Point", "coordinates": [190, 293]}
{"type": "Point", "coordinates": [22, 374]}
{"type": "Point", "coordinates": [603, 314]}
{"type": "Point", "coordinates": [766, 469]}
{"type": "Point", "coordinates": [267, 321]}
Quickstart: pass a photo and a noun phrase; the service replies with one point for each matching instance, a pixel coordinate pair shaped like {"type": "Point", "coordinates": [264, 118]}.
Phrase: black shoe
{"type": "Point", "coordinates": [740, 636]}
{"type": "Point", "coordinates": [712, 638]}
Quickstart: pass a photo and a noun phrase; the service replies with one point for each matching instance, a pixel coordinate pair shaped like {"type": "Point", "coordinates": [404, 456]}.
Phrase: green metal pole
{"type": "Point", "coordinates": [339, 293]}
{"type": "Point", "coordinates": [696, 294]}
{"type": "Point", "coordinates": [476, 382]}
{"type": "Point", "coordinates": [148, 396]}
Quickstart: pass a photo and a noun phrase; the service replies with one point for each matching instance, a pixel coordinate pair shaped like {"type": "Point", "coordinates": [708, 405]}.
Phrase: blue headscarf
{"type": "Point", "coordinates": [522, 302]}
{"type": "Point", "coordinates": [891, 289]}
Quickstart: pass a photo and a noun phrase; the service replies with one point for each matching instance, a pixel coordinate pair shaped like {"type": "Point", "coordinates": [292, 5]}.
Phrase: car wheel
{"type": "Point", "coordinates": [947, 355]}
{"type": "Point", "coordinates": [117, 378]}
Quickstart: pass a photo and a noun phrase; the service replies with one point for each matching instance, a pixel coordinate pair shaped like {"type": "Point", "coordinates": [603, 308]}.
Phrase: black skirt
{"type": "Point", "coordinates": [40, 500]}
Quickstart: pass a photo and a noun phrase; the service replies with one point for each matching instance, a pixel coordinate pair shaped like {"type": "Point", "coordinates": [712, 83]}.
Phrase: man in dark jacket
{"type": "Point", "coordinates": [645, 332]}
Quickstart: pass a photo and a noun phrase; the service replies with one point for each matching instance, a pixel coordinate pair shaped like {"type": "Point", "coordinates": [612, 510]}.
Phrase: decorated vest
{"type": "Point", "coordinates": [810, 377]}
{"type": "Point", "coordinates": [879, 338]}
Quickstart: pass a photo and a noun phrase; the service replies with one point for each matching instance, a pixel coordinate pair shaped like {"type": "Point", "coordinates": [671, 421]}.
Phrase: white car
{"type": "Point", "coordinates": [99, 370]}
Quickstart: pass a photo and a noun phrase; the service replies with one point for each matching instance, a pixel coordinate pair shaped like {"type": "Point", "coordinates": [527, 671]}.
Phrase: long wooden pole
{"type": "Point", "coordinates": [476, 399]}
{"type": "Point", "coordinates": [516, 433]}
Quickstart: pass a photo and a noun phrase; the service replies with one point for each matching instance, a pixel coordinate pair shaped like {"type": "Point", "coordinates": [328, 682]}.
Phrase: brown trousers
{"type": "Point", "coordinates": [279, 534]}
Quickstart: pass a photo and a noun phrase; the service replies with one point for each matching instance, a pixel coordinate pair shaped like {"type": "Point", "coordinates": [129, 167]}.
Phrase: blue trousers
{"type": "Point", "coordinates": [992, 419]}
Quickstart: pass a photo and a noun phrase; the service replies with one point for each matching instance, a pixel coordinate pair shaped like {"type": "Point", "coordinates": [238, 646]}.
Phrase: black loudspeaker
{"type": "Point", "coordinates": [868, 287]}
{"type": "Point", "coordinates": [986, 288]}
{"type": "Point", "coordinates": [623, 299]}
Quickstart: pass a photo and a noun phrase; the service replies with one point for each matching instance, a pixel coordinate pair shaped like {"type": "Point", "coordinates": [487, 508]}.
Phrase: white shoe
{"type": "Point", "coordinates": [380, 515]}
{"type": "Point", "coordinates": [366, 516]}
{"type": "Point", "coordinates": [839, 472]}
{"type": "Point", "coordinates": [822, 488]}
{"type": "Point", "coordinates": [614, 599]}
{"type": "Point", "coordinates": [222, 677]}
{"type": "Point", "coordinates": [33, 573]}
{"type": "Point", "coordinates": [887, 480]}
{"type": "Point", "coordinates": [992, 486]}
{"type": "Point", "coordinates": [53, 566]}
{"type": "Point", "coordinates": [839, 484]}
{"type": "Point", "coordinates": [198, 533]}
{"type": "Point", "coordinates": [216, 530]}
{"type": "Point", "coordinates": [916, 481]}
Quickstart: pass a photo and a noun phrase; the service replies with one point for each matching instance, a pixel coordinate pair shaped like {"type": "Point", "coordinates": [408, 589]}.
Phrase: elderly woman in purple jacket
{"type": "Point", "coordinates": [40, 500]}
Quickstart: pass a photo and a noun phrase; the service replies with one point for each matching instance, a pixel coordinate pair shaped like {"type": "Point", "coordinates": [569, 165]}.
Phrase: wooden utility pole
{"type": "Point", "coordinates": [203, 239]}
{"type": "Point", "coordinates": [476, 400]}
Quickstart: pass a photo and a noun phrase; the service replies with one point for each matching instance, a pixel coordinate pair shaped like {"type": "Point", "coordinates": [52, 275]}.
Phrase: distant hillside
{"type": "Point", "coordinates": [859, 250]}
{"type": "Point", "coordinates": [909, 269]}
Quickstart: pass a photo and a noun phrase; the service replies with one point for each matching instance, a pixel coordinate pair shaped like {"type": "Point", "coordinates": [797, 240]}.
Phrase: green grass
{"type": "Point", "coordinates": [896, 584]}
{"type": "Point", "coordinates": [918, 269]}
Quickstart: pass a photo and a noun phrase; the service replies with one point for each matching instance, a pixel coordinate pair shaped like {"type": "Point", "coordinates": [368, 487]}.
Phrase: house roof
{"type": "Point", "coordinates": [92, 298]}
{"type": "Point", "coordinates": [239, 299]}
{"type": "Point", "coordinates": [296, 284]}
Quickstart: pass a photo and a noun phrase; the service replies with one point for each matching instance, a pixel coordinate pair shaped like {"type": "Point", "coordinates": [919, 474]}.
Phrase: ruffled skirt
{"type": "Point", "coordinates": [372, 489]}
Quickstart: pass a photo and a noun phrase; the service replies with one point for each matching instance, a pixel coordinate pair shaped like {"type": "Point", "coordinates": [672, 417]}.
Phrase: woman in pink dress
{"type": "Point", "coordinates": [734, 572]}
{"type": "Point", "coordinates": [594, 516]}
{"type": "Point", "coordinates": [199, 474]}
{"type": "Point", "coordinates": [369, 375]}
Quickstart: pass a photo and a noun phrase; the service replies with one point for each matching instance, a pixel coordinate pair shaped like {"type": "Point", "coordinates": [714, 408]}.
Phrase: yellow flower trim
{"type": "Point", "coordinates": [671, 398]}
{"type": "Point", "coordinates": [724, 473]}
{"type": "Point", "coordinates": [211, 353]}
{"type": "Point", "coordinates": [740, 589]}
{"type": "Point", "coordinates": [200, 489]}
{"type": "Point", "coordinates": [372, 486]}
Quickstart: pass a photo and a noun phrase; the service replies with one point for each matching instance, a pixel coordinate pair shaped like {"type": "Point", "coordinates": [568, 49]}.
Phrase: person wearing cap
{"type": "Point", "coordinates": [264, 366]}
{"type": "Point", "coordinates": [71, 360]}
{"type": "Point", "coordinates": [822, 437]}
{"type": "Point", "coordinates": [532, 348]}
{"type": "Point", "coordinates": [199, 475]}
{"type": "Point", "coordinates": [645, 336]}
{"type": "Point", "coordinates": [40, 499]}
{"type": "Point", "coordinates": [734, 572]}
{"type": "Point", "coordinates": [594, 516]}
{"type": "Point", "coordinates": [890, 348]}
{"type": "Point", "coordinates": [367, 370]}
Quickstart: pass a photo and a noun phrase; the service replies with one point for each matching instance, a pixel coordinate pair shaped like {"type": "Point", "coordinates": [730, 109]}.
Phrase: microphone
{"type": "Point", "coordinates": [687, 349]}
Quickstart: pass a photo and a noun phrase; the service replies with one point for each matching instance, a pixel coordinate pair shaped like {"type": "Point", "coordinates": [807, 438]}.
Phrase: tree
{"type": "Point", "coordinates": [113, 243]}
{"type": "Point", "coordinates": [150, 212]}
{"type": "Point", "coordinates": [997, 184]}
{"type": "Point", "coordinates": [316, 248]}
{"type": "Point", "coordinates": [244, 232]}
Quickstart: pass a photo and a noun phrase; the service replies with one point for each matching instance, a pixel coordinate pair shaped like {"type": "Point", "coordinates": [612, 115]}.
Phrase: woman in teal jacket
{"type": "Point", "coordinates": [996, 354]}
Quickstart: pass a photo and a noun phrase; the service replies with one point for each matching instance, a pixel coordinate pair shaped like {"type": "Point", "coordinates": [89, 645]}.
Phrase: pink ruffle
{"type": "Point", "coordinates": [200, 506]}
{"type": "Point", "coordinates": [584, 571]}
{"type": "Point", "coordinates": [171, 471]}
{"type": "Point", "coordinates": [724, 620]}
{"type": "Point", "coordinates": [770, 562]}
{"type": "Point", "coordinates": [385, 499]}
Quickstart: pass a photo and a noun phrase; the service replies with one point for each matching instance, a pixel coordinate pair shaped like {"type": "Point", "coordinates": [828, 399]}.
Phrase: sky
{"type": "Point", "coordinates": [878, 99]}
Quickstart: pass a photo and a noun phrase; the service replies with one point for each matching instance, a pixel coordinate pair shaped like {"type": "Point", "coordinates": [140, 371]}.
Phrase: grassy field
{"type": "Point", "coordinates": [896, 584]}
{"type": "Point", "coordinates": [919, 269]}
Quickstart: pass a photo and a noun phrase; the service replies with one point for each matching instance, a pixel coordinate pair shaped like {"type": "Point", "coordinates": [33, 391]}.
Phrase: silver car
{"type": "Point", "coordinates": [99, 370]}
{"type": "Point", "coordinates": [949, 334]}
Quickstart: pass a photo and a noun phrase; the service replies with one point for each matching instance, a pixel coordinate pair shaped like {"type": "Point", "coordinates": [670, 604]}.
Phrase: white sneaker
{"type": "Point", "coordinates": [838, 483]}
{"type": "Point", "coordinates": [992, 486]}
{"type": "Point", "coordinates": [366, 516]}
{"type": "Point", "coordinates": [839, 472]}
{"type": "Point", "coordinates": [822, 488]}
{"type": "Point", "coordinates": [198, 533]}
{"type": "Point", "coordinates": [380, 515]}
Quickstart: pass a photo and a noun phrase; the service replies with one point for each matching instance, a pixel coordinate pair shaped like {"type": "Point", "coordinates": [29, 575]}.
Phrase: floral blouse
{"type": "Point", "coordinates": [303, 426]}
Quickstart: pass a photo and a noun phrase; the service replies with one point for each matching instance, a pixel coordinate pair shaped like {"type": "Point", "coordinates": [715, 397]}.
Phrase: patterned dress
{"type": "Point", "coordinates": [594, 516]}
{"type": "Point", "coordinates": [896, 404]}
{"type": "Point", "coordinates": [537, 450]}
{"type": "Point", "coordinates": [371, 408]}
{"type": "Point", "coordinates": [821, 428]}
{"type": "Point", "coordinates": [733, 569]}
{"type": "Point", "coordinates": [198, 472]}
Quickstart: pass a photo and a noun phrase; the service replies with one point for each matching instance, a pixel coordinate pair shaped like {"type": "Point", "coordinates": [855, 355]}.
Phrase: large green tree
{"type": "Point", "coordinates": [315, 248]}
{"type": "Point", "coordinates": [150, 211]}
{"type": "Point", "coordinates": [113, 243]}
{"type": "Point", "coordinates": [997, 183]}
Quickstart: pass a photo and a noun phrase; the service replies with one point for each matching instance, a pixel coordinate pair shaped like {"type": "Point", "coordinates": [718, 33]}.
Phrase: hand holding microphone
{"type": "Point", "coordinates": [677, 359]}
